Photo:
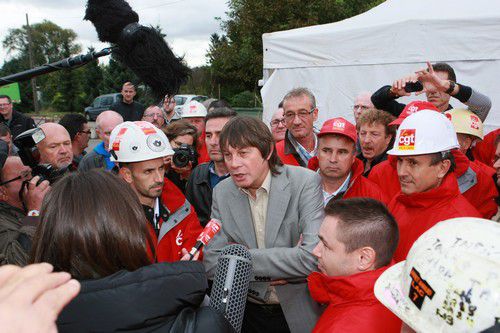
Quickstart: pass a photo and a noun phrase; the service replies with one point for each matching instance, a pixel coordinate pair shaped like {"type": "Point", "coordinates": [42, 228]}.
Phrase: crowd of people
{"type": "Point", "coordinates": [385, 224]}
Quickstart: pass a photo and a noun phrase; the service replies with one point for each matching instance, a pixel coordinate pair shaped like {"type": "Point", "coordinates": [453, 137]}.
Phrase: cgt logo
{"type": "Point", "coordinates": [474, 122]}
{"type": "Point", "coordinates": [338, 125]}
{"type": "Point", "coordinates": [407, 139]}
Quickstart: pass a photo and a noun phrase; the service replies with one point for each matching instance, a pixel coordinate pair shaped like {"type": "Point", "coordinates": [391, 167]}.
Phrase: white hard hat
{"type": "Point", "coordinates": [450, 281]}
{"type": "Point", "coordinates": [138, 141]}
{"type": "Point", "coordinates": [424, 132]}
{"type": "Point", "coordinates": [194, 109]}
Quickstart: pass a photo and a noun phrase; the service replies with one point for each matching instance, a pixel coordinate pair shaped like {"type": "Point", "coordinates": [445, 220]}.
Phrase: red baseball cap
{"type": "Point", "coordinates": [339, 126]}
{"type": "Point", "coordinates": [411, 108]}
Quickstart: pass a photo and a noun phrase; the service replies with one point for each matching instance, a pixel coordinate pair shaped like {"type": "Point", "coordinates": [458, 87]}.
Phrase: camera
{"type": "Point", "coordinates": [30, 156]}
{"type": "Point", "coordinates": [183, 155]}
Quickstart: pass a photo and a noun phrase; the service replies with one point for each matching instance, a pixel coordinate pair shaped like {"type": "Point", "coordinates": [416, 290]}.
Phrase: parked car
{"type": "Point", "coordinates": [180, 100]}
{"type": "Point", "coordinates": [100, 104]}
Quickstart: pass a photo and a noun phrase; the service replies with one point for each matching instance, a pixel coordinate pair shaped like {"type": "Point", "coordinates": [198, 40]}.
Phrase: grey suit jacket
{"type": "Point", "coordinates": [295, 209]}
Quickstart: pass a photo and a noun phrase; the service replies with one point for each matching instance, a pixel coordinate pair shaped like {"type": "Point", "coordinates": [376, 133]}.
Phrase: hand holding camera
{"type": "Point", "coordinates": [34, 192]}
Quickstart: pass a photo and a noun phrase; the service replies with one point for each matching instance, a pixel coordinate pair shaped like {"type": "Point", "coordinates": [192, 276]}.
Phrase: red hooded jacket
{"type": "Point", "coordinates": [416, 213]}
{"type": "Point", "coordinates": [180, 230]}
{"type": "Point", "coordinates": [352, 306]}
{"type": "Point", "coordinates": [484, 151]}
{"type": "Point", "coordinates": [481, 194]}
{"type": "Point", "coordinates": [359, 185]}
{"type": "Point", "coordinates": [202, 150]}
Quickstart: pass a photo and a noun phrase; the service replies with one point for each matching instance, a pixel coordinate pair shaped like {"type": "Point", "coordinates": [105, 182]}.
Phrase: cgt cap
{"type": "Point", "coordinates": [339, 126]}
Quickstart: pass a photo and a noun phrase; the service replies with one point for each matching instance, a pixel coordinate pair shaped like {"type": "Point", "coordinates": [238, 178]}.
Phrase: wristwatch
{"type": "Point", "coordinates": [451, 88]}
{"type": "Point", "coordinates": [34, 212]}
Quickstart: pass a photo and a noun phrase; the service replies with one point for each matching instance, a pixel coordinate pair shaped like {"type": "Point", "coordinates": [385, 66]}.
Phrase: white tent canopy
{"type": "Point", "coordinates": [339, 60]}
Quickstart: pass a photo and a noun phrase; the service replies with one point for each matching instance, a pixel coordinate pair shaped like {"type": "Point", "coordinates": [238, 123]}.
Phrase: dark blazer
{"type": "Point", "coordinates": [19, 123]}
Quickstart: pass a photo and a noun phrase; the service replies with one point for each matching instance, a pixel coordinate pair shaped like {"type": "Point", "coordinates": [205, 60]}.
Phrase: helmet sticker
{"type": "Point", "coordinates": [474, 122]}
{"type": "Point", "coordinates": [147, 128]}
{"type": "Point", "coordinates": [155, 143]}
{"type": "Point", "coordinates": [407, 139]}
{"type": "Point", "coordinates": [419, 289]}
{"type": "Point", "coordinates": [118, 139]}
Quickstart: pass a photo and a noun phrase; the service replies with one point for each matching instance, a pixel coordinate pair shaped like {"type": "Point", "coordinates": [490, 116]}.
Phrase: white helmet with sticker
{"type": "Point", "coordinates": [138, 141]}
{"type": "Point", "coordinates": [450, 281]}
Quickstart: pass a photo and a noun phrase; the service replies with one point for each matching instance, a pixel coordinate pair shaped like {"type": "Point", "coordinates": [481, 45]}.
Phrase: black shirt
{"type": "Point", "coordinates": [19, 123]}
{"type": "Point", "coordinates": [129, 112]}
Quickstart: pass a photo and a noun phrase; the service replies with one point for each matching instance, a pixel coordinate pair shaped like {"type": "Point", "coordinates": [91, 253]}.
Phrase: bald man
{"type": "Point", "coordinates": [362, 103]}
{"type": "Point", "coordinates": [99, 157]}
{"type": "Point", "coordinates": [56, 148]}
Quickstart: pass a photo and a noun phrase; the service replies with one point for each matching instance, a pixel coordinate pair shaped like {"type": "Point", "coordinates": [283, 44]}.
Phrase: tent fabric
{"type": "Point", "coordinates": [339, 60]}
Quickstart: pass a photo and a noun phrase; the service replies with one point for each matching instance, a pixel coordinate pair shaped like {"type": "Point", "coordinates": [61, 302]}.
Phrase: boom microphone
{"type": "Point", "coordinates": [231, 281]}
{"type": "Point", "coordinates": [140, 48]}
{"type": "Point", "coordinates": [212, 227]}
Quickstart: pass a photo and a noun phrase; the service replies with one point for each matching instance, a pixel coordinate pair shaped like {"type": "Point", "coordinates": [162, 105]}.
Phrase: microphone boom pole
{"type": "Point", "coordinates": [67, 63]}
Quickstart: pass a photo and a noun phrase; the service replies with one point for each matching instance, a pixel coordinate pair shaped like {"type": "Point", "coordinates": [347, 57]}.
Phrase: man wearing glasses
{"type": "Point", "coordinates": [362, 103]}
{"type": "Point", "coordinates": [300, 113]}
{"type": "Point", "coordinates": [169, 110]}
{"type": "Point", "coordinates": [278, 125]}
{"type": "Point", "coordinates": [79, 133]}
{"type": "Point", "coordinates": [154, 115]}
{"type": "Point", "coordinates": [16, 202]}
{"type": "Point", "coordinates": [16, 121]}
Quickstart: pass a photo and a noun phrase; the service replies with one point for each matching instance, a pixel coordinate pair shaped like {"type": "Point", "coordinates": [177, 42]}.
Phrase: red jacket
{"type": "Point", "coordinates": [416, 213]}
{"type": "Point", "coordinates": [359, 185]}
{"type": "Point", "coordinates": [286, 156]}
{"type": "Point", "coordinates": [481, 194]}
{"type": "Point", "coordinates": [352, 306]}
{"type": "Point", "coordinates": [180, 230]}
{"type": "Point", "coordinates": [385, 175]}
{"type": "Point", "coordinates": [484, 151]}
{"type": "Point", "coordinates": [202, 150]}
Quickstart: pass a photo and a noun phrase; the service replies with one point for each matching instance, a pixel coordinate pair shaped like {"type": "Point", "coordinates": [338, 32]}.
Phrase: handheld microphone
{"type": "Point", "coordinates": [231, 281]}
{"type": "Point", "coordinates": [212, 227]}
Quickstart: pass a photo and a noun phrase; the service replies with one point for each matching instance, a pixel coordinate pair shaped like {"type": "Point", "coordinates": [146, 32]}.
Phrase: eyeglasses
{"type": "Point", "coordinates": [24, 175]}
{"type": "Point", "coordinates": [362, 107]}
{"type": "Point", "coordinates": [151, 116]}
{"type": "Point", "coordinates": [4, 105]}
{"type": "Point", "coordinates": [289, 116]}
{"type": "Point", "coordinates": [276, 122]}
{"type": "Point", "coordinates": [88, 132]}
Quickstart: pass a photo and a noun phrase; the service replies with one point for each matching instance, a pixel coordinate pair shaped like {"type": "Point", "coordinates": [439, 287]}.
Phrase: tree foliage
{"type": "Point", "coordinates": [235, 56]}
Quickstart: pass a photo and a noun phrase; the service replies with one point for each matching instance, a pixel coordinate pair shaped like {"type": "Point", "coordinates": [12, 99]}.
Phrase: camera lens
{"type": "Point", "coordinates": [180, 159]}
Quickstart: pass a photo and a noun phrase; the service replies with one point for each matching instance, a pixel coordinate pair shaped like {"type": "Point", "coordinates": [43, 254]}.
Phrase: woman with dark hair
{"type": "Point", "coordinates": [93, 226]}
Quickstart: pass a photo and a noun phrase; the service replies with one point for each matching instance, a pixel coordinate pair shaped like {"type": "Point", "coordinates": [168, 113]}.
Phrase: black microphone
{"type": "Point", "coordinates": [230, 288]}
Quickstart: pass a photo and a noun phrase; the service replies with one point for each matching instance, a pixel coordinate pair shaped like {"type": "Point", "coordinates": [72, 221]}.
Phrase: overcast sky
{"type": "Point", "coordinates": [187, 23]}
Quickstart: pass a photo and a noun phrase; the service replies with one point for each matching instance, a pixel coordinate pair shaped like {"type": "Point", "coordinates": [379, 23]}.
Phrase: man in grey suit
{"type": "Point", "coordinates": [276, 212]}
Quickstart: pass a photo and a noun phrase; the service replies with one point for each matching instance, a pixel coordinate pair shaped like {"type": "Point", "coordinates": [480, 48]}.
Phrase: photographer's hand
{"type": "Point", "coordinates": [33, 195]}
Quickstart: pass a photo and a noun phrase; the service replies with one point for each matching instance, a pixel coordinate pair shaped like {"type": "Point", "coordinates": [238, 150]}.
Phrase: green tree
{"type": "Point", "coordinates": [92, 77]}
{"type": "Point", "coordinates": [50, 43]}
{"type": "Point", "coordinates": [235, 56]}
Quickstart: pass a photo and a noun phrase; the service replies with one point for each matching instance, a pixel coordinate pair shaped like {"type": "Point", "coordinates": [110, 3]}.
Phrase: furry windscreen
{"type": "Point", "coordinates": [140, 48]}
